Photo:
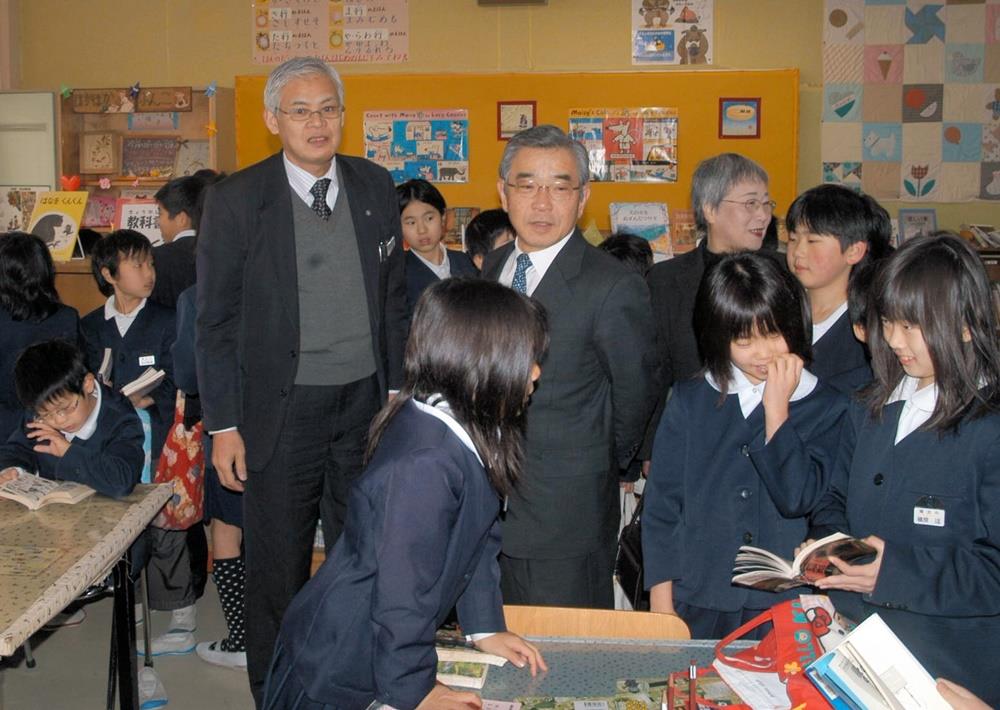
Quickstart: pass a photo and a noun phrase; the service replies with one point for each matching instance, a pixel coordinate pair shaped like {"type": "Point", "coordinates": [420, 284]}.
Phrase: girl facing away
{"type": "Point", "coordinates": [422, 533]}
{"type": "Point", "coordinates": [918, 473]}
{"type": "Point", "coordinates": [743, 452]}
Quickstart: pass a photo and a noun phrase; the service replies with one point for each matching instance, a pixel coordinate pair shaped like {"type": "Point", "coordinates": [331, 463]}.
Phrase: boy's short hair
{"type": "Point", "coordinates": [632, 251]}
{"type": "Point", "coordinates": [47, 370]}
{"type": "Point", "coordinates": [859, 292]}
{"type": "Point", "coordinates": [110, 250]}
{"type": "Point", "coordinates": [839, 212]}
{"type": "Point", "coordinates": [483, 231]}
{"type": "Point", "coordinates": [183, 194]}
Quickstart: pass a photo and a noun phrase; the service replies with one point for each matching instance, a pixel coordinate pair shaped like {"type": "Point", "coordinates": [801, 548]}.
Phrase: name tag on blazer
{"type": "Point", "coordinates": [928, 511]}
{"type": "Point", "coordinates": [147, 360]}
{"type": "Point", "coordinates": [385, 248]}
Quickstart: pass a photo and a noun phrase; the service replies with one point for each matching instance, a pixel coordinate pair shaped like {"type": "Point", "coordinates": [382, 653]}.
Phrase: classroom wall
{"type": "Point", "coordinates": [194, 42]}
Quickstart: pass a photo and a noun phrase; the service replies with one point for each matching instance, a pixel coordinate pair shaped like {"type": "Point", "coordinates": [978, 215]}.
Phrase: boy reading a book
{"type": "Point", "coordinates": [74, 428]}
{"type": "Point", "coordinates": [831, 230]}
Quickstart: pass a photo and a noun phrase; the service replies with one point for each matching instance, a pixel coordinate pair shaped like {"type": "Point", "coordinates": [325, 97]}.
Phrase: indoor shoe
{"type": "Point", "coordinates": [183, 619]}
{"type": "Point", "coordinates": [152, 694]}
{"type": "Point", "coordinates": [173, 643]}
{"type": "Point", "coordinates": [210, 652]}
{"type": "Point", "coordinates": [66, 618]}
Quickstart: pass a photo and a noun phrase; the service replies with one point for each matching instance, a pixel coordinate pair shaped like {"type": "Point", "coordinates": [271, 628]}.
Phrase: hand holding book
{"type": "Point", "coordinates": [816, 563]}
{"type": "Point", "coordinates": [856, 578]}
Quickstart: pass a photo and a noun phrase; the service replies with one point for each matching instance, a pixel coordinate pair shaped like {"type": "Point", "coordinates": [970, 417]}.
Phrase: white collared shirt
{"type": "Point", "coordinates": [820, 329]}
{"type": "Point", "coordinates": [302, 181]}
{"type": "Point", "coordinates": [89, 426]}
{"type": "Point", "coordinates": [918, 405]}
{"type": "Point", "coordinates": [442, 411]}
{"type": "Point", "coordinates": [541, 260]}
{"type": "Point", "coordinates": [442, 270]}
{"type": "Point", "coordinates": [124, 321]}
{"type": "Point", "coordinates": [751, 395]}
{"type": "Point", "coordinates": [186, 233]}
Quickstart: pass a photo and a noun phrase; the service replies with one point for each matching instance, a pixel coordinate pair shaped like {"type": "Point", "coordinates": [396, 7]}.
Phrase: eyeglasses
{"type": "Point", "coordinates": [558, 191]}
{"type": "Point", "coordinates": [300, 114]}
{"type": "Point", "coordinates": [753, 205]}
{"type": "Point", "coordinates": [61, 414]}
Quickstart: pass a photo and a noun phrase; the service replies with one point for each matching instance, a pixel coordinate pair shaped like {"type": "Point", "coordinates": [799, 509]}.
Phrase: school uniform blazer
{"type": "Point", "coordinates": [248, 301]}
{"type": "Point", "coordinates": [939, 585]}
{"type": "Point", "coordinates": [419, 277]}
{"type": "Point", "coordinates": [421, 536]}
{"type": "Point", "coordinates": [591, 405]}
{"type": "Point", "coordinates": [714, 485]}
{"type": "Point", "coordinates": [16, 335]}
{"type": "Point", "coordinates": [840, 360]}
{"type": "Point", "coordinates": [110, 461]}
{"type": "Point", "coordinates": [175, 270]}
{"type": "Point", "coordinates": [152, 333]}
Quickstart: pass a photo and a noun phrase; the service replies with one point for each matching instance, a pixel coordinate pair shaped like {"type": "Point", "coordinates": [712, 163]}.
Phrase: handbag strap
{"type": "Point", "coordinates": [764, 617]}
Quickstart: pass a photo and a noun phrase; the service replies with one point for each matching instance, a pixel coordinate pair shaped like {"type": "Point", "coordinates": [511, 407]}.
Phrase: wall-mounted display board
{"type": "Point", "coordinates": [694, 94]}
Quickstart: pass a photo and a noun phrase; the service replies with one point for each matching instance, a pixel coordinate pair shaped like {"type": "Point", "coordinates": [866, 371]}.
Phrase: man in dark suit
{"type": "Point", "coordinates": [598, 385]}
{"type": "Point", "coordinates": [300, 332]}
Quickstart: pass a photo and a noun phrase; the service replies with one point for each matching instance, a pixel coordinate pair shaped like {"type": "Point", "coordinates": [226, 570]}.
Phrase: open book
{"type": "Point", "coordinates": [144, 383]}
{"type": "Point", "coordinates": [872, 669]}
{"type": "Point", "coordinates": [104, 371]}
{"type": "Point", "coordinates": [764, 570]}
{"type": "Point", "coordinates": [35, 492]}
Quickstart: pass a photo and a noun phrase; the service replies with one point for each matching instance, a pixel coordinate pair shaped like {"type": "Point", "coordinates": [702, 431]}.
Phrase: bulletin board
{"type": "Point", "coordinates": [695, 95]}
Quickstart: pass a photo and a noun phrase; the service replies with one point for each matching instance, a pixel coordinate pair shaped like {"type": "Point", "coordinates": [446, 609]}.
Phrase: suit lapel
{"type": "Point", "coordinates": [554, 288]}
{"type": "Point", "coordinates": [276, 229]}
{"type": "Point", "coordinates": [363, 216]}
{"type": "Point", "coordinates": [495, 260]}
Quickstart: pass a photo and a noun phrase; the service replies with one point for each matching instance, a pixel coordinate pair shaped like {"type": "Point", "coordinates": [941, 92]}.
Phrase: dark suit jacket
{"type": "Point", "coordinates": [938, 587]}
{"type": "Point", "coordinates": [175, 270]}
{"type": "Point", "coordinates": [152, 333]}
{"type": "Point", "coordinates": [419, 277]}
{"type": "Point", "coordinates": [840, 360]}
{"type": "Point", "coordinates": [248, 307]}
{"type": "Point", "coordinates": [15, 336]}
{"type": "Point", "coordinates": [421, 536]}
{"type": "Point", "coordinates": [591, 406]}
{"type": "Point", "coordinates": [110, 461]}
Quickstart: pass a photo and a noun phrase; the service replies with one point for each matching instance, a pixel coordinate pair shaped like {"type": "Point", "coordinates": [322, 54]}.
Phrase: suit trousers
{"type": "Point", "coordinates": [319, 452]}
{"type": "Point", "coordinates": [585, 581]}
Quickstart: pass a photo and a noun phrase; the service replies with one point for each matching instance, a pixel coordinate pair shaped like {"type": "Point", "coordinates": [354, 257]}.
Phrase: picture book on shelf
{"type": "Point", "coordinates": [35, 492]}
{"type": "Point", "coordinates": [872, 669]}
{"type": "Point", "coordinates": [649, 220]}
{"type": "Point", "coordinates": [764, 570]}
{"type": "Point", "coordinates": [56, 220]}
{"type": "Point", "coordinates": [683, 232]}
{"type": "Point", "coordinates": [142, 215]}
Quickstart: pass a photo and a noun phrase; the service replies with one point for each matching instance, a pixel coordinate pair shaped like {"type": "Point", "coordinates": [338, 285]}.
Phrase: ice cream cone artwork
{"type": "Point", "coordinates": [884, 63]}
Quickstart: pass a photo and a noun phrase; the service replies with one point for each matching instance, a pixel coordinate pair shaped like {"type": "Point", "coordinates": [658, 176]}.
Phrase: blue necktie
{"type": "Point", "coordinates": [319, 205]}
{"type": "Point", "coordinates": [520, 282]}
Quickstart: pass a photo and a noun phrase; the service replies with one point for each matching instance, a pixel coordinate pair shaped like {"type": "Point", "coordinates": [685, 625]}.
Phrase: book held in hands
{"type": "Point", "coordinates": [145, 383]}
{"type": "Point", "coordinates": [764, 570]}
{"type": "Point", "coordinates": [35, 492]}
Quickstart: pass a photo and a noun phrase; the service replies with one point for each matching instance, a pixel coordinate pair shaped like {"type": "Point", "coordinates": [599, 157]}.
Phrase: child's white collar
{"type": "Point", "coordinates": [751, 395]}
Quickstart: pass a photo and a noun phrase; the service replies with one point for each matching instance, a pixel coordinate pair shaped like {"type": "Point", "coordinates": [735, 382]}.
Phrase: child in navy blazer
{"type": "Point", "coordinates": [422, 533]}
{"type": "Point", "coordinates": [421, 212]}
{"type": "Point", "coordinates": [73, 428]}
{"type": "Point", "coordinates": [742, 454]}
{"type": "Point", "coordinates": [918, 474]}
{"type": "Point", "coordinates": [831, 231]}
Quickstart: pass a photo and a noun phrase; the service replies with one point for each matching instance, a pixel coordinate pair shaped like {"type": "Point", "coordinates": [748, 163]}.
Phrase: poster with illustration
{"type": "Point", "coordinates": [628, 144]}
{"type": "Point", "coordinates": [56, 220]}
{"type": "Point", "coordinates": [431, 145]}
{"type": "Point", "coordinates": [16, 205]}
{"type": "Point", "coordinates": [672, 32]}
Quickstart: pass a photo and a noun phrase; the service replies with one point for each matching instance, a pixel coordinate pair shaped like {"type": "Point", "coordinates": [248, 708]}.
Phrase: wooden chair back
{"type": "Point", "coordinates": [593, 623]}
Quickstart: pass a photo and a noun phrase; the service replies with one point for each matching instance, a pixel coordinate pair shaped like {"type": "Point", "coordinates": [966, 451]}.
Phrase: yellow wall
{"type": "Point", "coordinates": [193, 42]}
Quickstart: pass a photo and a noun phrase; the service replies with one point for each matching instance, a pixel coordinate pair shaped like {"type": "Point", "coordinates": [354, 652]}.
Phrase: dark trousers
{"type": "Point", "coordinates": [584, 581]}
{"type": "Point", "coordinates": [178, 567]}
{"type": "Point", "coordinates": [319, 452]}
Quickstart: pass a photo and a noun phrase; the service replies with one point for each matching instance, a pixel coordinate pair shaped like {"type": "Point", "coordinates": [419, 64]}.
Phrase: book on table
{"type": "Point", "coordinates": [35, 492]}
{"type": "Point", "coordinates": [761, 569]}
{"type": "Point", "coordinates": [464, 667]}
{"type": "Point", "coordinates": [145, 383]}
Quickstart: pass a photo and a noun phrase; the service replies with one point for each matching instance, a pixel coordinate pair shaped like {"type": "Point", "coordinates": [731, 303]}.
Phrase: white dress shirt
{"type": "Point", "coordinates": [442, 270]}
{"type": "Point", "coordinates": [541, 260]}
{"type": "Point", "coordinates": [89, 426]}
{"type": "Point", "coordinates": [820, 329]}
{"type": "Point", "coordinates": [752, 395]}
{"type": "Point", "coordinates": [302, 181]}
{"type": "Point", "coordinates": [918, 405]}
{"type": "Point", "coordinates": [124, 321]}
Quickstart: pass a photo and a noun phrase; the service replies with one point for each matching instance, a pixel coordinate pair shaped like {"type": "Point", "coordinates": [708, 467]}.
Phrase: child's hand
{"type": "Point", "coordinates": [140, 401]}
{"type": "Point", "coordinates": [8, 474]}
{"type": "Point", "coordinates": [959, 697]}
{"type": "Point", "coordinates": [515, 649]}
{"type": "Point", "coordinates": [856, 578]}
{"type": "Point", "coordinates": [783, 375]}
{"type": "Point", "coordinates": [48, 439]}
{"type": "Point", "coordinates": [442, 697]}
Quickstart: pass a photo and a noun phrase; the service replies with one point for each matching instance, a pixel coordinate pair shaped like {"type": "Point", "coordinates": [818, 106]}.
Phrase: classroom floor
{"type": "Point", "coordinates": [72, 666]}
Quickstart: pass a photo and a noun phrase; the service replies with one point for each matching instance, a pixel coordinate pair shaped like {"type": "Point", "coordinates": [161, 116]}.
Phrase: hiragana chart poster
{"type": "Point", "coordinates": [432, 145]}
{"type": "Point", "coordinates": [337, 31]}
{"type": "Point", "coordinates": [911, 98]}
{"type": "Point", "coordinates": [628, 144]}
{"type": "Point", "coordinates": [672, 31]}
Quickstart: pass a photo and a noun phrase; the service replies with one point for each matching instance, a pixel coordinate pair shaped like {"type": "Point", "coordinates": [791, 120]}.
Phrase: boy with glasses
{"type": "Point", "coordinates": [74, 428]}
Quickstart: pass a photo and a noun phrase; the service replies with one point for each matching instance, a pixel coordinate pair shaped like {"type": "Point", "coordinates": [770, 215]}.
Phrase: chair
{"type": "Point", "coordinates": [593, 623]}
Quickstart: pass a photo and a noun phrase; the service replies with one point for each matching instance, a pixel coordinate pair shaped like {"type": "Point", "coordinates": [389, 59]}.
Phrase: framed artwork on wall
{"type": "Point", "coordinates": [739, 118]}
{"type": "Point", "coordinates": [99, 152]}
{"type": "Point", "coordinates": [513, 117]}
{"type": "Point", "coordinates": [914, 222]}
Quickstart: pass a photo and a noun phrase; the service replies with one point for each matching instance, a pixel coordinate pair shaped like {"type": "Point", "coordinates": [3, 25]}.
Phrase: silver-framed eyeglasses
{"type": "Point", "coordinates": [558, 191]}
{"type": "Point", "coordinates": [753, 204]}
{"type": "Point", "coordinates": [300, 114]}
{"type": "Point", "coordinates": [61, 414]}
